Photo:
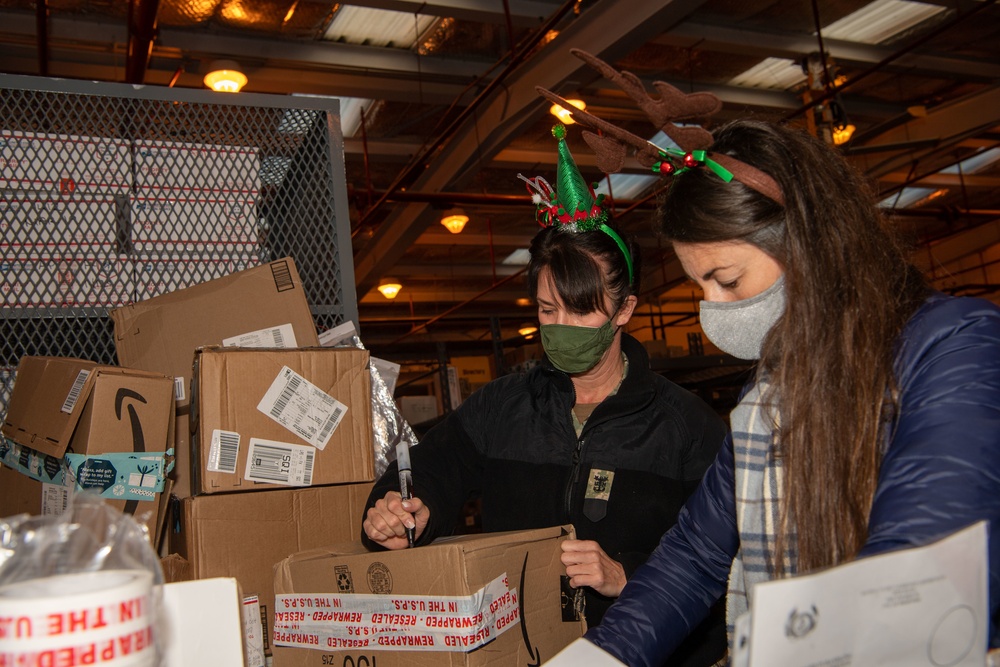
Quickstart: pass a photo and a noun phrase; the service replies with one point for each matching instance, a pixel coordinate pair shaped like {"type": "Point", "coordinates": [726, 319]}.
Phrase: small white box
{"type": "Point", "coordinates": [217, 227]}
{"type": "Point", "coordinates": [64, 164]}
{"type": "Point", "coordinates": [418, 409]}
{"type": "Point", "coordinates": [204, 623]}
{"type": "Point", "coordinates": [196, 170]}
{"type": "Point", "coordinates": [43, 281]}
{"type": "Point", "coordinates": [155, 276]}
{"type": "Point", "coordinates": [83, 227]}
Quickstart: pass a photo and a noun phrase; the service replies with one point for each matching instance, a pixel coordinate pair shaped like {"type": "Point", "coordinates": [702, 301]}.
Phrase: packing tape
{"type": "Point", "coordinates": [104, 617]}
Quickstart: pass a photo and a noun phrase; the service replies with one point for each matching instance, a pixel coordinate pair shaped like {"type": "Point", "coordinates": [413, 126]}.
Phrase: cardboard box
{"type": "Point", "coordinates": [74, 424]}
{"type": "Point", "coordinates": [494, 599]}
{"type": "Point", "coordinates": [161, 334]}
{"type": "Point", "coordinates": [244, 535]}
{"type": "Point", "coordinates": [274, 417]}
{"type": "Point", "coordinates": [163, 275]}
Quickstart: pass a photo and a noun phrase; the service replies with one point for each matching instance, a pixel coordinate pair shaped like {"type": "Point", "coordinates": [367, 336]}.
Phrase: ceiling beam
{"type": "Point", "coordinates": [764, 43]}
{"type": "Point", "coordinates": [603, 29]}
{"type": "Point", "coordinates": [944, 126]}
{"type": "Point", "coordinates": [523, 13]}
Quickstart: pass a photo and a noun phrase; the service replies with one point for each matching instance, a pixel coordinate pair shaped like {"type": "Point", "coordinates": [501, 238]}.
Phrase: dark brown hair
{"type": "Point", "coordinates": [572, 258]}
{"type": "Point", "coordinates": [850, 289]}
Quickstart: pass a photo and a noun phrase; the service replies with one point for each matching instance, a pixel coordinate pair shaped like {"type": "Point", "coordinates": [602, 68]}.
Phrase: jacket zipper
{"type": "Point", "coordinates": [574, 476]}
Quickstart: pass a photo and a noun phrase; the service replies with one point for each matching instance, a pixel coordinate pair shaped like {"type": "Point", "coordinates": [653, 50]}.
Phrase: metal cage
{"type": "Point", "coordinates": [112, 194]}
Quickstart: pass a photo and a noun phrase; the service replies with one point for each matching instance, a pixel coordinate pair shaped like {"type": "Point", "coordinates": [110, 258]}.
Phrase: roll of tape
{"type": "Point", "coordinates": [104, 617]}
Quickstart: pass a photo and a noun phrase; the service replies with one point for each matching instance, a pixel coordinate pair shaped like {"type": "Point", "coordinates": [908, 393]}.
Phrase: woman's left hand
{"type": "Point", "coordinates": [588, 565]}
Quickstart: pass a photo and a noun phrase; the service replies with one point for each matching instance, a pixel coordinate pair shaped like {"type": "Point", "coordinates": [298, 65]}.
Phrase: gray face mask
{"type": "Point", "coordinates": [739, 327]}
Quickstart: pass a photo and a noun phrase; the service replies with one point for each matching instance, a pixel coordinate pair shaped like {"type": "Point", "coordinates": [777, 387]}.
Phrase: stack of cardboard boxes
{"type": "Point", "coordinates": [270, 437]}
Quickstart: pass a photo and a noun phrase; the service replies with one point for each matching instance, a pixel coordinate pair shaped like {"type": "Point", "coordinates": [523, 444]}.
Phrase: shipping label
{"type": "Point", "coordinates": [397, 623]}
{"type": "Point", "coordinates": [224, 451]}
{"type": "Point", "coordinates": [280, 336]}
{"type": "Point", "coordinates": [302, 408]}
{"type": "Point", "coordinates": [279, 463]}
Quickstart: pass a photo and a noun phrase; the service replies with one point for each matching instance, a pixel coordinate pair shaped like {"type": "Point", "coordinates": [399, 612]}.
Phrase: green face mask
{"type": "Point", "coordinates": [574, 349]}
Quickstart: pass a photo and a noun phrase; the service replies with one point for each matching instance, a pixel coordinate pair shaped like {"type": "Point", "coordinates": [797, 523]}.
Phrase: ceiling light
{"type": "Point", "coordinates": [527, 330]}
{"type": "Point", "coordinates": [225, 77]}
{"type": "Point", "coordinates": [563, 114]}
{"type": "Point", "coordinates": [389, 287]}
{"type": "Point", "coordinates": [454, 220]}
{"type": "Point", "coordinates": [841, 135]}
{"type": "Point", "coordinates": [522, 301]}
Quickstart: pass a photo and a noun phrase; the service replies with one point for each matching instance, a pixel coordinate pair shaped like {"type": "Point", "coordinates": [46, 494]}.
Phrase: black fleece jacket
{"type": "Point", "coordinates": [512, 444]}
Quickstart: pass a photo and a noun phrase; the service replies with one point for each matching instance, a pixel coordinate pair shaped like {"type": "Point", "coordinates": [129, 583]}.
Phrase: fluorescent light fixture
{"type": "Point", "coordinates": [979, 162]}
{"type": "Point", "coordinates": [350, 115]}
{"type": "Point", "coordinates": [630, 186]}
{"type": "Point", "coordinates": [772, 74]}
{"type": "Point", "coordinates": [626, 186]}
{"type": "Point", "coordinates": [377, 27]}
{"type": "Point", "coordinates": [881, 20]}
{"type": "Point", "coordinates": [519, 257]}
{"type": "Point", "coordinates": [906, 198]}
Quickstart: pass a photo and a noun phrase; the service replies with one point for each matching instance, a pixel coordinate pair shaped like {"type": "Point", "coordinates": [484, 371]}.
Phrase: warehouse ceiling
{"type": "Point", "coordinates": [440, 111]}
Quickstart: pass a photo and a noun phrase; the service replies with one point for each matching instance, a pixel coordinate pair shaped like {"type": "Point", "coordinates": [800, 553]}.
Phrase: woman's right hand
{"type": "Point", "coordinates": [387, 521]}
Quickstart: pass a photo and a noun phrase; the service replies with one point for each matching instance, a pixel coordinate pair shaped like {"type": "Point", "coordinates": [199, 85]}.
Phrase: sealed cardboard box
{"type": "Point", "coordinates": [495, 599]}
{"type": "Point", "coordinates": [274, 417]}
{"type": "Point", "coordinates": [74, 424]}
{"type": "Point", "coordinates": [244, 535]}
{"type": "Point", "coordinates": [264, 306]}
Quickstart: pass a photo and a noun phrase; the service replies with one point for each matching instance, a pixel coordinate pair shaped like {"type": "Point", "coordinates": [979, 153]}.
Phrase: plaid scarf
{"type": "Point", "coordinates": [758, 481]}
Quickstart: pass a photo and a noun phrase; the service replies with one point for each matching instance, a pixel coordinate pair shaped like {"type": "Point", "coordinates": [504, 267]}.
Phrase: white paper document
{"type": "Point", "coordinates": [919, 606]}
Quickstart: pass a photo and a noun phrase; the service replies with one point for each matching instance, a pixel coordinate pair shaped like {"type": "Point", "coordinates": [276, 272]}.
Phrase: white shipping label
{"type": "Point", "coordinates": [253, 632]}
{"type": "Point", "coordinates": [179, 394]}
{"type": "Point", "coordinates": [279, 336]}
{"type": "Point", "coordinates": [55, 498]}
{"type": "Point", "coordinates": [302, 408]}
{"type": "Point", "coordinates": [74, 392]}
{"type": "Point", "coordinates": [224, 451]}
{"type": "Point", "coordinates": [279, 463]}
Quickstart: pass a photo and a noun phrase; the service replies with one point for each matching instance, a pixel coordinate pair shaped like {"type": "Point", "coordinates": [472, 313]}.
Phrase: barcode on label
{"type": "Point", "coordinates": [330, 424]}
{"type": "Point", "coordinates": [74, 392]}
{"type": "Point", "coordinates": [286, 395]}
{"type": "Point", "coordinates": [179, 389]}
{"type": "Point", "coordinates": [279, 340]}
{"type": "Point", "coordinates": [282, 276]}
{"type": "Point", "coordinates": [274, 463]}
{"type": "Point", "coordinates": [224, 451]}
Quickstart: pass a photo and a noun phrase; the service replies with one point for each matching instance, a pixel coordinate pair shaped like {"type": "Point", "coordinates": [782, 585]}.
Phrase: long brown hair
{"type": "Point", "coordinates": [849, 292]}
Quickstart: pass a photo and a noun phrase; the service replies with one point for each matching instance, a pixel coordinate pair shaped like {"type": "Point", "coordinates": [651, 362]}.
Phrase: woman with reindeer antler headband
{"type": "Point", "coordinates": [873, 421]}
{"type": "Point", "coordinates": [590, 437]}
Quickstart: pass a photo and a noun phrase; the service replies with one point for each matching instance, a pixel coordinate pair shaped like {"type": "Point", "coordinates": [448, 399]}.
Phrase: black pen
{"type": "Point", "coordinates": [406, 483]}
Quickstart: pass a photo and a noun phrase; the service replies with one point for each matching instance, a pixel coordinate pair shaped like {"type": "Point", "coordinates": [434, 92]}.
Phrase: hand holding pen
{"type": "Point", "coordinates": [406, 484]}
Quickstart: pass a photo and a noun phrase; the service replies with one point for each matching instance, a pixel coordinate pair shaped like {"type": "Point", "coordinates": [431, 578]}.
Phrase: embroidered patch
{"type": "Point", "coordinates": [599, 484]}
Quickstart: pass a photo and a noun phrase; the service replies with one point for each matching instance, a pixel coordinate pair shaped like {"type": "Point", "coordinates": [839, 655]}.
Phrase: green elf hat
{"type": "Point", "coordinates": [573, 205]}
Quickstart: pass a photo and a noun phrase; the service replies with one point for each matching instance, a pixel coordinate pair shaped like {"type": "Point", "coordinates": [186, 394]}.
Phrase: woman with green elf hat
{"type": "Point", "coordinates": [590, 437]}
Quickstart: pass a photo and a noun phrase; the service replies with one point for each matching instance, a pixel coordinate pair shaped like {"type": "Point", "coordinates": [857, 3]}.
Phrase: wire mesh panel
{"type": "Point", "coordinates": [112, 194]}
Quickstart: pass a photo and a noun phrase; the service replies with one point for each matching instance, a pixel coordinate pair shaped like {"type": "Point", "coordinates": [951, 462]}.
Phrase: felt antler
{"type": "Point", "coordinates": [610, 142]}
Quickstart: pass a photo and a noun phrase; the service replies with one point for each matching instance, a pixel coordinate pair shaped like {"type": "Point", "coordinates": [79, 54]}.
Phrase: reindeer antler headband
{"type": "Point", "coordinates": [610, 143]}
